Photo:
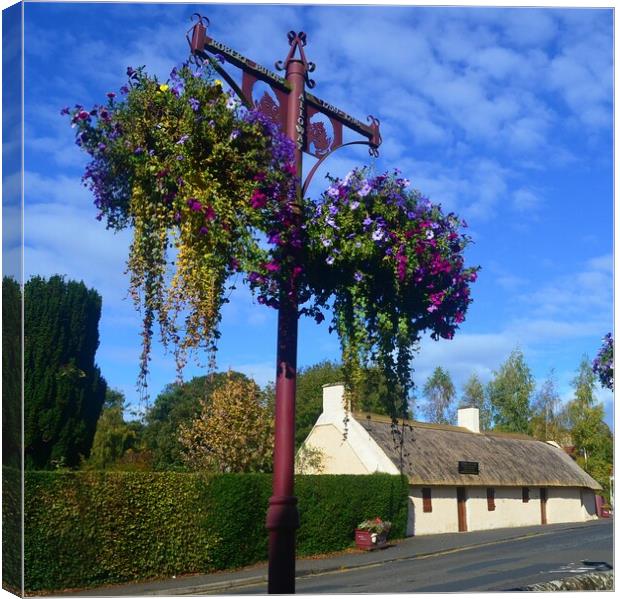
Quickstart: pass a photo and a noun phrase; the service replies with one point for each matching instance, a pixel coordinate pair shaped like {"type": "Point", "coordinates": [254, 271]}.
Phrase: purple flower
{"type": "Point", "coordinates": [326, 242]}
{"type": "Point", "coordinates": [220, 58]}
{"type": "Point", "coordinates": [65, 110]}
{"type": "Point", "coordinates": [330, 260]}
{"type": "Point", "coordinates": [377, 235]}
{"type": "Point", "coordinates": [182, 139]}
{"type": "Point", "coordinates": [194, 205]}
{"type": "Point", "coordinates": [333, 210]}
{"type": "Point", "coordinates": [358, 276]}
{"type": "Point", "coordinates": [365, 190]}
{"type": "Point", "coordinates": [333, 192]}
{"type": "Point", "coordinates": [195, 104]}
{"type": "Point", "coordinates": [180, 157]}
{"type": "Point", "coordinates": [367, 221]}
{"type": "Point", "coordinates": [111, 95]}
{"type": "Point", "coordinates": [124, 89]}
{"type": "Point", "coordinates": [138, 151]}
{"type": "Point", "coordinates": [354, 205]}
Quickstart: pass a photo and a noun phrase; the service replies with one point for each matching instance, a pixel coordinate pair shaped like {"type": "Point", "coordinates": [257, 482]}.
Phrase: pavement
{"type": "Point", "coordinates": [401, 549]}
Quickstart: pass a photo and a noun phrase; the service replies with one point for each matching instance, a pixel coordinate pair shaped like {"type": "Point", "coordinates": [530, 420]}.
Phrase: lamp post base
{"type": "Point", "coordinates": [282, 521]}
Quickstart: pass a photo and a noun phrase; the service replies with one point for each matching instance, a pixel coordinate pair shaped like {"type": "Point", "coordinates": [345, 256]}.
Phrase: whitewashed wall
{"type": "Point", "coordinates": [563, 505]}
{"type": "Point", "coordinates": [338, 455]}
{"type": "Point", "coordinates": [510, 510]}
{"type": "Point", "coordinates": [443, 518]}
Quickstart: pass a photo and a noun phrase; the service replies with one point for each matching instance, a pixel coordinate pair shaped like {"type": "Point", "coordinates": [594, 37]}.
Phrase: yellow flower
{"type": "Point", "coordinates": [218, 82]}
{"type": "Point", "coordinates": [163, 87]}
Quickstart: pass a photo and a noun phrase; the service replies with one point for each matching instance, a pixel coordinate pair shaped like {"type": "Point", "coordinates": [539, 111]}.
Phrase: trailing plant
{"type": "Point", "coordinates": [393, 263]}
{"type": "Point", "coordinates": [188, 168]}
{"type": "Point", "coordinates": [603, 364]}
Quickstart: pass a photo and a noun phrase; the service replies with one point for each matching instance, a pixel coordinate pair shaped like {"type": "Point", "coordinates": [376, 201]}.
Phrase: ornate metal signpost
{"type": "Point", "coordinates": [293, 108]}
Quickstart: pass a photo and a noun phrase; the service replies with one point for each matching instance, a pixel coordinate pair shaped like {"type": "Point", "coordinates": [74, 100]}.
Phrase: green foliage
{"type": "Point", "coordinates": [440, 393]}
{"type": "Point", "coordinates": [547, 421]}
{"type": "Point", "coordinates": [63, 388]}
{"type": "Point", "coordinates": [93, 528]}
{"type": "Point", "coordinates": [474, 396]}
{"type": "Point", "coordinates": [113, 436]}
{"type": "Point", "coordinates": [11, 530]}
{"type": "Point", "coordinates": [331, 507]}
{"type": "Point", "coordinates": [509, 395]}
{"type": "Point", "coordinates": [232, 433]}
{"type": "Point", "coordinates": [178, 403]}
{"type": "Point", "coordinates": [11, 373]}
{"type": "Point", "coordinates": [591, 437]}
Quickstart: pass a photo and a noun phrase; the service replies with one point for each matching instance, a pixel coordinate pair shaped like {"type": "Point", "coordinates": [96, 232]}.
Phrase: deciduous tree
{"type": "Point", "coordinates": [233, 432]}
{"type": "Point", "coordinates": [591, 437]}
{"type": "Point", "coordinates": [510, 393]}
{"type": "Point", "coordinates": [546, 423]}
{"type": "Point", "coordinates": [474, 396]}
{"type": "Point", "coordinates": [439, 394]}
{"type": "Point", "coordinates": [113, 436]}
{"type": "Point", "coordinates": [178, 403]}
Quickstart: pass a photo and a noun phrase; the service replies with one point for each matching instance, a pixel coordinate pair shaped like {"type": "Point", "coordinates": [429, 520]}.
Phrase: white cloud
{"type": "Point", "coordinates": [525, 200]}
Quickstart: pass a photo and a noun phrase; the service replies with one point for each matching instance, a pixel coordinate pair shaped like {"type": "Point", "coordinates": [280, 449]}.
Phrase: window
{"type": "Point", "coordinates": [526, 494]}
{"type": "Point", "coordinates": [491, 500]}
{"type": "Point", "coordinates": [469, 468]}
{"type": "Point", "coordinates": [427, 505]}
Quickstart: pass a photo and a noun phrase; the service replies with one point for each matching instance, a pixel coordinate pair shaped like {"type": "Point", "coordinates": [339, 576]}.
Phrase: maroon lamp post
{"type": "Point", "coordinates": [293, 111]}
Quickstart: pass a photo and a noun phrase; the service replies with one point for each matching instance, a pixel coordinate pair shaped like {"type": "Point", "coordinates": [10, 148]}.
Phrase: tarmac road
{"type": "Point", "coordinates": [501, 566]}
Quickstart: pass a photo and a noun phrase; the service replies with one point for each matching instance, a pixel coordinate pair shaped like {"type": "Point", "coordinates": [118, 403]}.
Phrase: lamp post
{"type": "Point", "coordinates": [293, 110]}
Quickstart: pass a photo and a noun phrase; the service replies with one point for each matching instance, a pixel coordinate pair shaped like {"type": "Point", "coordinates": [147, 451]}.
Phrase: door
{"type": "Point", "coordinates": [543, 506]}
{"type": "Point", "coordinates": [461, 499]}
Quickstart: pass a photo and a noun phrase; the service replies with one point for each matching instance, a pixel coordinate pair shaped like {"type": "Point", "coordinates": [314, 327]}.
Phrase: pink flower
{"type": "Point", "coordinates": [272, 266]}
{"type": "Point", "coordinates": [209, 213]}
{"type": "Point", "coordinates": [258, 199]}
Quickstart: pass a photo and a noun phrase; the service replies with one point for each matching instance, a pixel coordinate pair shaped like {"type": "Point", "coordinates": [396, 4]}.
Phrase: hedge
{"type": "Point", "coordinates": [84, 529]}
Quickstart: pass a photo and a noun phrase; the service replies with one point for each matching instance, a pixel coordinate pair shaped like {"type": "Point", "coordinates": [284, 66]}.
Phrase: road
{"type": "Point", "coordinates": [501, 566]}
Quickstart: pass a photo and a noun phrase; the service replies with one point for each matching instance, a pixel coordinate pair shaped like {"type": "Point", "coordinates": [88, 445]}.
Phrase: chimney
{"type": "Point", "coordinates": [333, 403]}
{"type": "Point", "coordinates": [469, 418]}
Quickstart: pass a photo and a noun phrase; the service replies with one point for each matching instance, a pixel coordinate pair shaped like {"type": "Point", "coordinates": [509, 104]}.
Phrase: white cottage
{"type": "Point", "coordinates": [459, 478]}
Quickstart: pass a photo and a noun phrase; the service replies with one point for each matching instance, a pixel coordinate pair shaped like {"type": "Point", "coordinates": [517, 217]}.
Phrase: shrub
{"type": "Point", "coordinates": [92, 528]}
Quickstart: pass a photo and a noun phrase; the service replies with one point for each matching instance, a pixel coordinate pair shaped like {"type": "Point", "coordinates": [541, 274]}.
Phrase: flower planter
{"type": "Point", "coordinates": [369, 540]}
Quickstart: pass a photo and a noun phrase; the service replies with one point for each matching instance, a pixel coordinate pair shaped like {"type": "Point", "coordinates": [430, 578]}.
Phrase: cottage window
{"type": "Point", "coordinates": [491, 500]}
{"type": "Point", "coordinates": [526, 494]}
{"type": "Point", "coordinates": [427, 505]}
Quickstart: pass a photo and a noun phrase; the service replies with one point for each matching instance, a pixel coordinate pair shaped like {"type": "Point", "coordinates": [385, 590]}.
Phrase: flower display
{"type": "Point", "coordinates": [210, 190]}
{"type": "Point", "coordinates": [393, 263]}
{"type": "Point", "coordinates": [183, 165]}
{"type": "Point", "coordinates": [375, 526]}
{"type": "Point", "coordinates": [603, 364]}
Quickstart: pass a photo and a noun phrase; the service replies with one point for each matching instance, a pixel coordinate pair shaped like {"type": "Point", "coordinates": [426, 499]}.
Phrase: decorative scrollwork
{"type": "Point", "coordinates": [201, 19]}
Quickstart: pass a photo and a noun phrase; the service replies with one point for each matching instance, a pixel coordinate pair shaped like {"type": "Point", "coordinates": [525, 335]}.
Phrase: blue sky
{"type": "Point", "coordinates": [502, 115]}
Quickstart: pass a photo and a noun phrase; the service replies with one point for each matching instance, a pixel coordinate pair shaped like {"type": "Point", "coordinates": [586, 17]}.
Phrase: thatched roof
{"type": "Point", "coordinates": [430, 454]}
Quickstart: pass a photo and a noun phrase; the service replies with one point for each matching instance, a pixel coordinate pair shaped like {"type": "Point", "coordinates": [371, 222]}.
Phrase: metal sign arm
{"type": "Point", "coordinates": [320, 161]}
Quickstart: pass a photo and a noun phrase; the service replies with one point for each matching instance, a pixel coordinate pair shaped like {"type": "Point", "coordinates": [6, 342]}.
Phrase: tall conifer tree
{"type": "Point", "coordinates": [63, 388]}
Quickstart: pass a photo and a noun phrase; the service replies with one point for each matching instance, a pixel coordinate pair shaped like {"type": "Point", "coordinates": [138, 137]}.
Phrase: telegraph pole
{"type": "Point", "coordinates": [293, 113]}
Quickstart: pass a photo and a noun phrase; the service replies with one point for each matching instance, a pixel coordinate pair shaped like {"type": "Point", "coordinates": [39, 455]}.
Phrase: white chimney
{"type": "Point", "coordinates": [333, 403]}
{"type": "Point", "coordinates": [469, 418]}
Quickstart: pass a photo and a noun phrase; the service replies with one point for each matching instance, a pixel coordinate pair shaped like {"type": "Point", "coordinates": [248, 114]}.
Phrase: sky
{"type": "Point", "coordinates": [501, 115]}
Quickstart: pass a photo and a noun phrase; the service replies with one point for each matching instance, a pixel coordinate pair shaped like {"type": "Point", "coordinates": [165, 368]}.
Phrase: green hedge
{"type": "Point", "coordinates": [91, 528]}
{"type": "Point", "coordinates": [11, 530]}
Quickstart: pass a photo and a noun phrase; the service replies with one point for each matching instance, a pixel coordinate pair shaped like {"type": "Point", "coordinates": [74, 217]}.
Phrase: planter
{"type": "Point", "coordinates": [369, 540]}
